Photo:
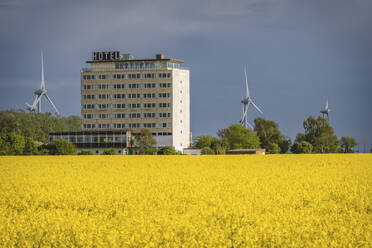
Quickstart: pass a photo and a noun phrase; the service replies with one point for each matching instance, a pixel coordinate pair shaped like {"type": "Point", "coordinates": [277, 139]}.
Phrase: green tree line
{"type": "Point", "coordinates": [22, 133]}
{"type": "Point", "coordinates": [37, 126]}
{"type": "Point", "coordinates": [318, 137]}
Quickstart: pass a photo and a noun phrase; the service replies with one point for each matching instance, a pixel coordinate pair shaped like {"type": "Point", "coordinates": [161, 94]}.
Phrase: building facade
{"type": "Point", "coordinates": [119, 93]}
{"type": "Point", "coordinates": [97, 141]}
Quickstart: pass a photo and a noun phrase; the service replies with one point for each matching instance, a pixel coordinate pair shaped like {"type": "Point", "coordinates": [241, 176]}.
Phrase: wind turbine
{"type": "Point", "coordinates": [326, 110]}
{"type": "Point", "coordinates": [36, 105]}
{"type": "Point", "coordinates": [246, 102]}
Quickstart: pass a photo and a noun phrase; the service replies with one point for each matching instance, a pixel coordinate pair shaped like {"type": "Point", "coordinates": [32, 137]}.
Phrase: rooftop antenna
{"type": "Point", "coordinates": [246, 102]}
{"type": "Point", "coordinates": [325, 111]}
{"type": "Point", "coordinates": [36, 105]}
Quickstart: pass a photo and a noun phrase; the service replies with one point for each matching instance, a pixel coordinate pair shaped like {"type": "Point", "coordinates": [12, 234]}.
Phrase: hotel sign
{"type": "Point", "coordinates": [106, 56]}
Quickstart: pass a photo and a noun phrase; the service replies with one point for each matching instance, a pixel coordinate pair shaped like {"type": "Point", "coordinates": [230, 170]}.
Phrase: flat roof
{"type": "Point", "coordinates": [134, 60]}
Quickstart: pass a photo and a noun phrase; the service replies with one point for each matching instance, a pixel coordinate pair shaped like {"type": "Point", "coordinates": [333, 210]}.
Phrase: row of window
{"type": "Point", "coordinates": [125, 96]}
{"type": "Point", "coordinates": [128, 125]}
{"type": "Point", "coordinates": [118, 138]}
{"type": "Point", "coordinates": [128, 116]}
{"type": "Point", "coordinates": [126, 76]}
{"type": "Point", "coordinates": [126, 86]}
{"type": "Point", "coordinates": [127, 106]}
{"type": "Point", "coordinates": [145, 65]}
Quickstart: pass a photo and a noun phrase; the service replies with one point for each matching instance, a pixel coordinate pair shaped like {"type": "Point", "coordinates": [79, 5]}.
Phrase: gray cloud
{"type": "Point", "coordinates": [297, 54]}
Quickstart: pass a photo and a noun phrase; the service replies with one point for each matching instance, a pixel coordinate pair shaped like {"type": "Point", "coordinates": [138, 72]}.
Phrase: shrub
{"type": "Point", "coordinates": [274, 148]}
{"type": "Point", "coordinates": [302, 147]}
{"type": "Point", "coordinates": [85, 152]}
{"type": "Point", "coordinates": [61, 147]}
{"type": "Point", "coordinates": [11, 144]}
{"type": "Point", "coordinates": [167, 150]}
{"type": "Point", "coordinates": [207, 150]}
{"type": "Point", "coordinates": [108, 152]}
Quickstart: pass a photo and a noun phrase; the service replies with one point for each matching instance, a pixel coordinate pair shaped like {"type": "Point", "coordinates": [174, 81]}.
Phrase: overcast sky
{"type": "Point", "coordinates": [298, 53]}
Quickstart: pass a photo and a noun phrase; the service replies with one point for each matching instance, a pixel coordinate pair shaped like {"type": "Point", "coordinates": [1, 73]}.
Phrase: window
{"type": "Point", "coordinates": [135, 115]}
{"type": "Point", "coordinates": [149, 105]}
{"type": "Point", "coordinates": [164, 105]}
{"type": "Point", "coordinates": [164, 115]}
{"type": "Point", "coordinates": [134, 105]}
{"type": "Point", "coordinates": [149, 115]}
{"type": "Point", "coordinates": [165, 85]}
{"type": "Point", "coordinates": [164, 95]}
{"type": "Point", "coordinates": [134, 125]}
{"type": "Point", "coordinates": [133, 95]}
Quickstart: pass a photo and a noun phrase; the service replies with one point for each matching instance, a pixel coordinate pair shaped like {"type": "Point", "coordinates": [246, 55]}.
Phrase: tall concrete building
{"type": "Point", "coordinates": [120, 93]}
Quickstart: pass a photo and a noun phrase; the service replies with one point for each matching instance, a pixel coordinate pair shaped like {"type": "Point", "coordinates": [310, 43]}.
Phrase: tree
{"type": "Point", "coordinates": [301, 147]}
{"type": "Point", "coordinates": [274, 148]}
{"type": "Point", "coordinates": [284, 144]}
{"type": "Point", "coordinates": [204, 141]}
{"type": "Point", "coordinates": [320, 135]}
{"type": "Point", "coordinates": [11, 144]}
{"type": "Point", "coordinates": [73, 123]}
{"type": "Point", "coordinates": [207, 151]}
{"type": "Point", "coordinates": [269, 134]}
{"type": "Point", "coordinates": [144, 143]}
{"type": "Point", "coordinates": [31, 147]}
{"type": "Point", "coordinates": [61, 147]}
{"type": "Point", "coordinates": [108, 152]}
{"type": "Point", "coordinates": [300, 137]}
{"type": "Point", "coordinates": [219, 146]}
{"type": "Point", "coordinates": [36, 125]}
{"type": "Point", "coordinates": [239, 137]}
{"type": "Point", "coordinates": [347, 143]}
{"type": "Point", "coordinates": [167, 150]}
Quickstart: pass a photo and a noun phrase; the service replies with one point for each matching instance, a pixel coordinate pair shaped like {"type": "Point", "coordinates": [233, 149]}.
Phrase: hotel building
{"type": "Point", "coordinates": [120, 93]}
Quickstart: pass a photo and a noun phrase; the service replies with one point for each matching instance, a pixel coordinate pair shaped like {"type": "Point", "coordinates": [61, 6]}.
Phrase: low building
{"type": "Point", "coordinates": [247, 151]}
{"type": "Point", "coordinates": [97, 141]}
{"type": "Point", "coordinates": [192, 151]}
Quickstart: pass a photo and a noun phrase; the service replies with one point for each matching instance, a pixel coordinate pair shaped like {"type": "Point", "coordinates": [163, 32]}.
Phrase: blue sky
{"type": "Point", "coordinates": [297, 52]}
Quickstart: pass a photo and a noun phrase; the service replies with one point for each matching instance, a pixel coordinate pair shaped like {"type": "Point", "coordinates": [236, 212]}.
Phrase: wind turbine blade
{"type": "Point", "coordinates": [243, 114]}
{"type": "Point", "coordinates": [326, 106]}
{"type": "Point", "coordinates": [28, 106]}
{"type": "Point", "coordinates": [42, 71]}
{"type": "Point", "coordinates": [254, 105]}
{"type": "Point", "coordinates": [52, 104]}
{"type": "Point", "coordinates": [246, 112]}
{"type": "Point", "coordinates": [246, 81]}
{"type": "Point", "coordinates": [35, 101]}
{"type": "Point", "coordinates": [249, 124]}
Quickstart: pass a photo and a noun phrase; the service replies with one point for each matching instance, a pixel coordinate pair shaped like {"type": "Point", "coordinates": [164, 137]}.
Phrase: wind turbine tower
{"type": "Point", "coordinates": [325, 111]}
{"type": "Point", "coordinates": [36, 105]}
{"type": "Point", "coordinates": [246, 102]}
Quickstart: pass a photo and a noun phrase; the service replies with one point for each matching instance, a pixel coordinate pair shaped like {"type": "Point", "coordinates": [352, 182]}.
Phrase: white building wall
{"type": "Point", "coordinates": [163, 140]}
{"type": "Point", "coordinates": [181, 109]}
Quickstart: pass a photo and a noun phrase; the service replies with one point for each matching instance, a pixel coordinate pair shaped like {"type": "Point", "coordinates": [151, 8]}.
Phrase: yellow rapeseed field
{"type": "Point", "coordinates": [186, 201]}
